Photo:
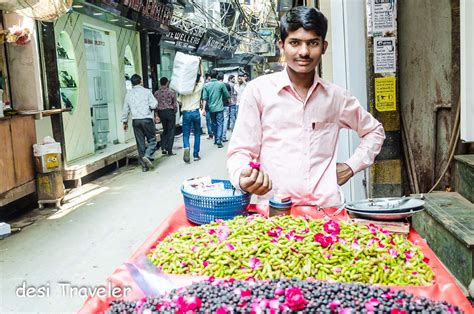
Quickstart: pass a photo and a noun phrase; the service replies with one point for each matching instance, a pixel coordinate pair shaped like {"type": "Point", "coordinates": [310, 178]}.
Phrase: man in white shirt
{"type": "Point", "coordinates": [140, 103]}
{"type": "Point", "coordinates": [239, 89]}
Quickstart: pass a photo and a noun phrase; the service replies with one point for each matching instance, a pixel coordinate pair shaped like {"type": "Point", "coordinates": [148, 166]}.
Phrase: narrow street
{"type": "Point", "coordinates": [84, 245]}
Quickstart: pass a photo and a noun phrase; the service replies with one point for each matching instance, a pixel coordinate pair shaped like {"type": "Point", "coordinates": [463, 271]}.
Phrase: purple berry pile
{"type": "Point", "coordinates": [282, 296]}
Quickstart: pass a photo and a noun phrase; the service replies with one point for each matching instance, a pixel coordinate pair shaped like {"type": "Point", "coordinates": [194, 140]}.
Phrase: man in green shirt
{"type": "Point", "coordinates": [213, 95]}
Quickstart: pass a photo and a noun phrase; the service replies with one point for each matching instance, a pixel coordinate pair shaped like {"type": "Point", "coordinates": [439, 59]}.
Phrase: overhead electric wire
{"type": "Point", "coordinates": [215, 22]}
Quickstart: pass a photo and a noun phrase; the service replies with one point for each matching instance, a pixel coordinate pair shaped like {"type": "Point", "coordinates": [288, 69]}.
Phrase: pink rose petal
{"type": "Point", "coordinates": [393, 252]}
{"type": "Point", "coordinates": [372, 241]}
{"type": "Point", "coordinates": [334, 304]}
{"type": "Point", "coordinates": [409, 255]}
{"type": "Point", "coordinates": [294, 250]}
{"type": "Point", "coordinates": [332, 227]}
{"type": "Point", "coordinates": [223, 233]}
{"type": "Point", "coordinates": [275, 232]}
{"type": "Point", "coordinates": [274, 304]}
{"type": "Point", "coordinates": [279, 291]}
{"type": "Point", "coordinates": [254, 165]}
{"type": "Point", "coordinates": [372, 228]}
{"type": "Point", "coordinates": [255, 263]}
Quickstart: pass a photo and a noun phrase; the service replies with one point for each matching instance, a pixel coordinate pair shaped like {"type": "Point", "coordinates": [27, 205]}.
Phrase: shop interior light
{"type": "Point", "coordinates": [114, 20]}
{"type": "Point", "coordinates": [77, 6]}
{"type": "Point", "coordinates": [128, 25]}
{"type": "Point", "coordinates": [97, 13]}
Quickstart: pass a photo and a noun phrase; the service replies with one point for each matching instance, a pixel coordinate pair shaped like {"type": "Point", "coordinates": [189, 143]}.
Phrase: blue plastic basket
{"type": "Point", "coordinates": [206, 209]}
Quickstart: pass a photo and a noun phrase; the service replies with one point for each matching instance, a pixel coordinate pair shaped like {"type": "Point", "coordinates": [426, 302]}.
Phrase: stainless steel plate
{"type": "Point", "coordinates": [386, 205]}
{"type": "Point", "coordinates": [384, 216]}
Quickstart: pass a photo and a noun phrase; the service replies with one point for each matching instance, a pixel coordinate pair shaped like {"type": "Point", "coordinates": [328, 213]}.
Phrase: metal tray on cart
{"type": "Point", "coordinates": [386, 208]}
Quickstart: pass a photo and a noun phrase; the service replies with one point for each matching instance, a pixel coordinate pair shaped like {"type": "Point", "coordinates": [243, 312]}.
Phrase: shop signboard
{"type": "Point", "coordinates": [268, 48]}
{"type": "Point", "coordinates": [217, 44]}
{"type": "Point", "coordinates": [183, 35]}
{"type": "Point", "coordinates": [154, 12]}
{"type": "Point", "coordinates": [242, 59]}
{"type": "Point", "coordinates": [112, 6]}
{"type": "Point", "coordinates": [151, 14]}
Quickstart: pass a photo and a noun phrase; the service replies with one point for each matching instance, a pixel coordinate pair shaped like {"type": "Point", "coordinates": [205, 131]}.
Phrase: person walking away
{"type": "Point", "coordinates": [210, 135]}
{"type": "Point", "coordinates": [167, 109]}
{"type": "Point", "coordinates": [220, 78]}
{"type": "Point", "coordinates": [233, 102]}
{"type": "Point", "coordinates": [190, 108]}
{"type": "Point", "coordinates": [140, 103]}
{"type": "Point", "coordinates": [239, 89]}
{"type": "Point", "coordinates": [290, 121]}
{"type": "Point", "coordinates": [214, 94]}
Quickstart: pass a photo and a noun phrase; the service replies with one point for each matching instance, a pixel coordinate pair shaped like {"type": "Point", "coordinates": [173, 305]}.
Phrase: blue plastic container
{"type": "Point", "coordinates": [206, 209]}
{"type": "Point", "coordinates": [279, 208]}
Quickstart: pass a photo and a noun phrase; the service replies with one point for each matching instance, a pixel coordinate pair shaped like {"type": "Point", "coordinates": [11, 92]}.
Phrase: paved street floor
{"type": "Point", "coordinates": [99, 227]}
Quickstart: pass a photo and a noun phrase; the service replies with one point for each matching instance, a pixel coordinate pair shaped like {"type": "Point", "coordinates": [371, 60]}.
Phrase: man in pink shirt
{"type": "Point", "coordinates": [289, 122]}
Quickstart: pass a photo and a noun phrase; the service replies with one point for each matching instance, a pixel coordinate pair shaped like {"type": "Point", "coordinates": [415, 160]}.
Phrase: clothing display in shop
{"type": "Point", "coordinates": [67, 79]}
{"type": "Point", "coordinates": [66, 101]}
{"type": "Point", "coordinates": [62, 54]}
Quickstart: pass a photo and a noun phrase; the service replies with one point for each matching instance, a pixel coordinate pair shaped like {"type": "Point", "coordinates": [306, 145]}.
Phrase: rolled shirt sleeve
{"type": "Point", "coordinates": [126, 109]}
{"type": "Point", "coordinates": [153, 101]}
{"type": "Point", "coordinates": [370, 131]}
{"type": "Point", "coordinates": [246, 138]}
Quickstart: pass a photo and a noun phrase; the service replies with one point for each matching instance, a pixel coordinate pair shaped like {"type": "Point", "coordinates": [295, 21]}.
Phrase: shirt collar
{"type": "Point", "coordinates": [283, 80]}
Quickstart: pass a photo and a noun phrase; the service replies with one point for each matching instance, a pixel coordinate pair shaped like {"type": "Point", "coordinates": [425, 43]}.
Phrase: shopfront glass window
{"type": "Point", "coordinates": [100, 85]}
{"type": "Point", "coordinates": [67, 72]}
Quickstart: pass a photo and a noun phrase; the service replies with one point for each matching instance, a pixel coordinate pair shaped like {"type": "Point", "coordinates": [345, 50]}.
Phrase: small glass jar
{"type": "Point", "coordinates": [278, 208]}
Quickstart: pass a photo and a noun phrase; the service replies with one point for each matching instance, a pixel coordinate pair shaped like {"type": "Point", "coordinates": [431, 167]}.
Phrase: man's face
{"type": "Point", "coordinates": [240, 80]}
{"type": "Point", "coordinates": [302, 50]}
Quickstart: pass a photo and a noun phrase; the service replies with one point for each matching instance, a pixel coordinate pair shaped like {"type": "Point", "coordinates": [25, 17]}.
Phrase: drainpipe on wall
{"type": "Point", "coordinates": [382, 92]}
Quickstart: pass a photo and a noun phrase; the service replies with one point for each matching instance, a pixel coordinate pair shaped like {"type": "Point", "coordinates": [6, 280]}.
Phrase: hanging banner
{"type": "Point", "coordinates": [217, 44]}
{"type": "Point", "coordinates": [385, 58]}
{"type": "Point", "coordinates": [183, 35]}
{"type": "Point", "coordinates": [386, 93]}
{"type": "Point", "coordinates": [383, 15]}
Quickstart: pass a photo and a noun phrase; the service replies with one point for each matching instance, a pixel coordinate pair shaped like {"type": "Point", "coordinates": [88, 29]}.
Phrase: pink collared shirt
{"type": "Point", "coordinates": [295, 139]}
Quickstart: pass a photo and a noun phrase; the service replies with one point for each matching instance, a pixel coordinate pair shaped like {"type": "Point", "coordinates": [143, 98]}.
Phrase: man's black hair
{"type": "Point", "coordinates": [231, 77]}
{"type": "Point", "coordinates": [311, 19]}
{"type": "Point", "coordinates": [163, 81]}
{"type": "Point", "coordinates": [220, 76]}
{"type": "Point", "coordinates": [214, 74]}
{"type": "Point", "coordinates": [136, 79]}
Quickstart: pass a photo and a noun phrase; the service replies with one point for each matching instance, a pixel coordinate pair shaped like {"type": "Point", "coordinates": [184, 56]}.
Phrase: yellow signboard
{"type": "Point", "coordinates": [386, 93]}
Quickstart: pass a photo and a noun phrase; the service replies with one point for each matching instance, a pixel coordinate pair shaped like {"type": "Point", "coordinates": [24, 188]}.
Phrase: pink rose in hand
{"type": "Point", "coordinates": [254, 165]}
